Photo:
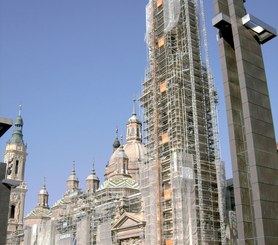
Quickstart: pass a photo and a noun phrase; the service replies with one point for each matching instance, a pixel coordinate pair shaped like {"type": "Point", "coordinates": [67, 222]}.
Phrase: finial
{"type": "Point", "coordinates": [134, 107]}
{"type": "Point", "coordinates": [93, 167]}
{"type": "Point", "coordinates": [116, 143]}
{"type": "Point", "coordinates": [20, 110]}
{"type": "Point", "coordinates": [117, 132]}
{"type": "Point", "coordinates": [122, 139]}
{"type": "Point", "coordinates": [73, 167]}
{"type": "Point", "coordinates": [44, 180]}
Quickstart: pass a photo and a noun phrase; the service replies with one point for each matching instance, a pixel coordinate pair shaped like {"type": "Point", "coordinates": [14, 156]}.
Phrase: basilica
{"type": "Point", "coordinates": [107, 213]}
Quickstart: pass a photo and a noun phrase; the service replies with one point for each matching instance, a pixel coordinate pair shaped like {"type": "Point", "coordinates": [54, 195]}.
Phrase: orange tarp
{"type": "Point", "coordinates": [160, 42]}
{"type": "Point", "coordinates": [169, 242]}
{"type": "Point", "coordinates": [165, 138]}
{"type": "Point", "coordinates": [159, 3]}
{"type": "Point", "coordinates": [163, 87]}
{"type": "Point", "coordinates": [167, 194]}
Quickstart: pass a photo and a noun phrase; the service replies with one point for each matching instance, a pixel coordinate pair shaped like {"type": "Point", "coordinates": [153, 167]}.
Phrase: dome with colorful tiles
{"type": "Point", "coordinates": [120, 182]}
{"type": "Point", "coordinates": [39, 212]}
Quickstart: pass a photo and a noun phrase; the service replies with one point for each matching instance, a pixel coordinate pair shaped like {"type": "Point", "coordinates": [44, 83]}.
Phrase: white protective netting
{"type": "Point", "coordinates": [184, 206]}
{"type": "Point", "coordinates": [171, 10]}
{"type": "Point", "coordinates": [149, 23]}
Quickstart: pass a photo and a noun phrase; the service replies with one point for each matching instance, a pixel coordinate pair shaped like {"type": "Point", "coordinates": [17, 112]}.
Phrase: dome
{"type": "Point", "coordinates": [116, 143]}
{"type": "Point", "coordinates": [120, 182]}
{"type": "Point", "coordinates": [72, 177]}
{"type": "Point", "coordinates": [92, 177]}
{"type": "Point", "coordinates": [134, 119]}
{"type": "Point", "coordinates": [43, 192]}
{"type": "Point", "coordinates": [39, 212]}
{"type": "Point", "coordinates": [135, 151]}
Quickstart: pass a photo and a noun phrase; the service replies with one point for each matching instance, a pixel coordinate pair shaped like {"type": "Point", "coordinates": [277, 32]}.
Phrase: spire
{"type": "Point", "coordinates": [116, 143]}
{"type": "Point", "coordinates": [19, 121]}
{"type": "Point", "coordinates": [122, 140]}
{"type": "Point", "coordinates": [73, 176]}
{"type": "Point", "coordinates": [72, 181]}
{"type": "Point", "coordinates": [43, 185]}
{"type": "Point", "coordinates": [17, 136]}
{"type": "Point", "coordinates": [92, 181]}
{"type": "Point", "coordinates": [43, 196]}
{"type": "Point", "coordinates": [93, 171]}
{"type": "Point", "coordinates": [134, 126]}
{"type": "Point", "coordinates": [93, 174]}
{"type": "Point", "coordinates": [134, 107]}
{"type": "Point", "coordinates": [73, 168]}
{"type": "Point", "coordinates": [93, 167]}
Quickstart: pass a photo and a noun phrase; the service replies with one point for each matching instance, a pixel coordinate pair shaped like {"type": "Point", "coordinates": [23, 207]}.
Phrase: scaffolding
{"type": "Point", "coordinates": [182, 166]}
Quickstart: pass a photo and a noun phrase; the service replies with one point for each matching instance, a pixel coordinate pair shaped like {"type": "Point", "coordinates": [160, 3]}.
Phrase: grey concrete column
{"type": "Point", "coordinates": [251, 131]}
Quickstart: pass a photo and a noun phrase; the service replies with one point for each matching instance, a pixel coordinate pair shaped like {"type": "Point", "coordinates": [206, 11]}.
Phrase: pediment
{"type": "Point", "coordinates": [127, 220]}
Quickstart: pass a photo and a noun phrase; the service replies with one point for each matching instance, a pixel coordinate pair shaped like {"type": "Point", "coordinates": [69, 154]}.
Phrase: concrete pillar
{"type": "Point", "coordinates": [251, 131]}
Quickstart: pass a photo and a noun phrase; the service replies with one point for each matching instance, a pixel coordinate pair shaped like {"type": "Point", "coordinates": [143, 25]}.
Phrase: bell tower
{"type": "Point", "coordinates": [134, 127]}
{"type": "Point", "coordinates": [15, 154]}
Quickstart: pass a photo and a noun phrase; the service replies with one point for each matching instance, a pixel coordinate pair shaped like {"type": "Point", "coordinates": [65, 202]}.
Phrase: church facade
{"type": "Point", "coordinates": [110, 213]}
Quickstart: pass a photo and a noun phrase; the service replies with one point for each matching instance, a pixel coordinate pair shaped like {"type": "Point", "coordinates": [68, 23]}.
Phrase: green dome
{"type": "Point", "coordinates": [120, 182]}
{"type": "Point", "coordinates": [17, 137]}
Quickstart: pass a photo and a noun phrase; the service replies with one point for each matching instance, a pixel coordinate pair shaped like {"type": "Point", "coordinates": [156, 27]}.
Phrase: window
{"type": "Point", "coordinates": [16, 167]}
{"type": "Point", "coordinates": [12, 212]}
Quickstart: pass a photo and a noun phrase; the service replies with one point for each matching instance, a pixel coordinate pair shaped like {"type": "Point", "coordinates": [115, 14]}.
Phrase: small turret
{"type": "Point", "coordinates": [72, 181]}
{"type": "Point", "coordinates": [134, 127]}
{"type": "Point", "coordinates": [92, 181]}
{"type": "Point", "coordinates": [43, 197]}
{"type": "Point", "coordinates": [122, 162]}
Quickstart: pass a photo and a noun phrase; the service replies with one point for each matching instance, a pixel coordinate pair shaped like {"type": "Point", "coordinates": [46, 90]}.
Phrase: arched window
{"type": "Point", "coordinates": [12, 212]}
{"type": "Point", "coordinates": [132, 132]}
{"type": "Point", "coordinates": [16, 167]}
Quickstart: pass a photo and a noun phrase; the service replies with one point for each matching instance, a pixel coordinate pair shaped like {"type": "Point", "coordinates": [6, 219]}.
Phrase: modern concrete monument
{"type": "Point", "coordinates": [252, 139]}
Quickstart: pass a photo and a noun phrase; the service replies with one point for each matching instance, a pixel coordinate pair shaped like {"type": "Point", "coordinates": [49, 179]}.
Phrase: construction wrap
{"type": "Point", "coordinates": [171, 14]}
{"type": "Point", "coordinates": [149, 17]}
{"type": "Point", "coordinates": [183, 196]}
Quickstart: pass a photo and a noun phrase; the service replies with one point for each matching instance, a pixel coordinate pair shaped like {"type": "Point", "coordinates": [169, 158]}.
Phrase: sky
{"type": "Point", "coordinates": [75, 66]}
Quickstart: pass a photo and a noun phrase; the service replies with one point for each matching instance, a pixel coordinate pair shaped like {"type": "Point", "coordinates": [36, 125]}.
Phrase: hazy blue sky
{"type": "Point", "coordinates": [75, 66]}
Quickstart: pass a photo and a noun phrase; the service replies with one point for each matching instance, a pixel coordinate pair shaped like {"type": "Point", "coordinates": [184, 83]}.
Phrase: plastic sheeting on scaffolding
{"type": "Point", "coordinates": [149, 23]}
{"type": "Point", "coordinates": [183, 196]}
{"type": "Point", "coordinates": [40, 234]}
{"type": "Point", "coordinates": [104, 234]}
{"type": "Point", "coordinates": [148, 176]}
{"type": "Point", "coordinates": [171, 10]}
